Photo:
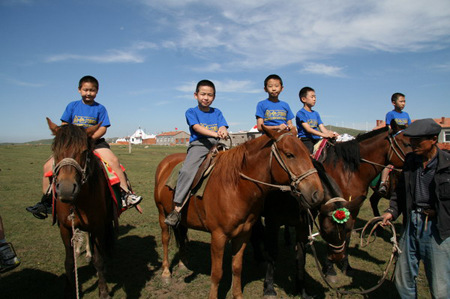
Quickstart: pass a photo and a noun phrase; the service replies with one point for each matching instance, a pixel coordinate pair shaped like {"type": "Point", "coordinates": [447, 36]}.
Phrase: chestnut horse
{"type": "Point", "coordinates": [234, 197]}
{"type": "Point", "coordinates": [82, 199]}
{"type": "Point", "coordinates": [353, 165]}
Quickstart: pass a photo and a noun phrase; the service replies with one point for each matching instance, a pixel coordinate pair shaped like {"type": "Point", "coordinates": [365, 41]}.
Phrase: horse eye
{"type": "Point", "coordinates": [290, 155]}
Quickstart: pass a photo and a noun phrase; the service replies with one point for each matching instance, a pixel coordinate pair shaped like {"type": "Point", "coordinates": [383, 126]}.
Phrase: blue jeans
{"type": "Point", "coordinates": [421, 241]}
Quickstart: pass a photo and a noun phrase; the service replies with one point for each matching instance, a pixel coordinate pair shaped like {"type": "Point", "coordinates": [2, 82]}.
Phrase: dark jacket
{"type": "Point", "coordinates": [403, 198]}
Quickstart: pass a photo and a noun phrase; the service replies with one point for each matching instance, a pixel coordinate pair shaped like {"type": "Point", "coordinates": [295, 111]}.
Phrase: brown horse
{"type": "Point", "coordinates": [233, 197]}
{"type": "Point", "coordinates": [82, 199]}
{"type": "Point", "coordinates": [353, 165]}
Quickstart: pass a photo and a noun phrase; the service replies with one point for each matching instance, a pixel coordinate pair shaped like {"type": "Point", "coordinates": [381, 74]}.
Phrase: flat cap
{"type": "Point", "coordinates": [422, 127]}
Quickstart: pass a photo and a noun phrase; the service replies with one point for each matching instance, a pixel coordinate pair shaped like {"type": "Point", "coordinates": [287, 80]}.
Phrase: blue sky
{"type": "Point", "coordinates": [148, 56]}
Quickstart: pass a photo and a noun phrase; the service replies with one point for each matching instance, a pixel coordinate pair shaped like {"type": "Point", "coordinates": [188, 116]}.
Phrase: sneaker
{"type": "Point", "coordinates": [40, 210]}
{"type": "Point", "coordinates": [382, 190]}
{"type": "Point", "coordinates": [8, 258]}
{"type": "Point", "coordinates": [173, 218]}
{"type": "Point", "coordinates": [129, 199]}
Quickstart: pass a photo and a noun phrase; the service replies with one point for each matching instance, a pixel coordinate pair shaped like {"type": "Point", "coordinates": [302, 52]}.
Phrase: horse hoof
{"type": "Point", "coordinates": [331, 278]}
{"type": "Point", "coordinates": [270, 294]}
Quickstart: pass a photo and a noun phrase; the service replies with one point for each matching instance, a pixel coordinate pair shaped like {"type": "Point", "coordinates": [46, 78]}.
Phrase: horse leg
{"type": "Point", "coordinates": [287, 236]}
{"type": "Point", "coordinates": [165, 238]}
{"type": "Point", "coordinates": [301, 234]}
{"type": "Point", "coordinates": [238, 247]}
{"type": "Point", "coordinates": [88, 256]}
{"type": "Point", "coordinates": [69, 289]}
{"type": "Point", "coordinates": [374, 200]}
{"type": "Point", "coordinates": [181, 237]}
{"type": "Point", "coordinates": [329, 271]}
{"type": "Point", "coordinates": [271, 245]}
{"type": "Point", "coordinates": [99, 264]}
{"type": "Point", "coordinates": [256, 239]}
{"type": "Point", "coordinates": [346, 268]}
{"type": "Point", "coordinates": [218, 241]}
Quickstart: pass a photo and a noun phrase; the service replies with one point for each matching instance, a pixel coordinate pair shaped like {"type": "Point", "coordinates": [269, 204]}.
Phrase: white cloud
{"type": "Point", "coordinates": [322, 69]}
{"type": "Point", "coordinates": [264, 33]}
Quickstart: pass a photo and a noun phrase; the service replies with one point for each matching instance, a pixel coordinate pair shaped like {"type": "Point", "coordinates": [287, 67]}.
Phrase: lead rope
{"type": "Point", "coordinates": [75, 233]}
{"type": "Point", "coordinates": [395, 251]}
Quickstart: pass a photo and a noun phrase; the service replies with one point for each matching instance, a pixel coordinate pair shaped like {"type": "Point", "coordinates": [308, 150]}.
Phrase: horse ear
{"type": "Point", "coordinates": [272, 134]}
{"type": "Point", "coordinates": [53, 127]}
{"type": "Point", "coordinates": [91, 130]}
{"type": "Point", "coordinates": [394, 126]}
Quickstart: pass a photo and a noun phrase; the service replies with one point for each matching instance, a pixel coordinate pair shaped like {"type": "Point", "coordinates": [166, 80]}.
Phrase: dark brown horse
{"type": "Point", "coordinates": [82, 199]}
{"type": "Point", "coordinates": [346, 172]}
{"type": "Point", "coordinates": [234, 197]}
{"type": "Point", "coordinates": [282, 209]}
{"type": "Point", "coordinates": [353, 165]}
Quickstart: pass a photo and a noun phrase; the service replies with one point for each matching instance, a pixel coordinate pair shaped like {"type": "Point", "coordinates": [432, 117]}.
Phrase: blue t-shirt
{"type": "Point", "coordinates": [80, 114]}
{"type": "Point", "coordinates": [274, 113]}
{"type": "Point", "coordinates": [312, 119]}
{"type": "Point", "coordinates": [401, 118]}
{"type": "Point", "coordinates": [211, 120]}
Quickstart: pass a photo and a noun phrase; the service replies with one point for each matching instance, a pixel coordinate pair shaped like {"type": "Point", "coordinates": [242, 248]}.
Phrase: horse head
{"type": "Point", "coordinates": [336, 218]}
{"type": "Point", "coordinates": [72, 147]}
{"type": "Point", "coordinates": [295, 166]}
{"type": "Point", "coordinates": [399, 145]}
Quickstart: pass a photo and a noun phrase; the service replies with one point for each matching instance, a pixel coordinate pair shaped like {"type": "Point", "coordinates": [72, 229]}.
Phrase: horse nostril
{"type": "Point", "coordinates": [317, 196]}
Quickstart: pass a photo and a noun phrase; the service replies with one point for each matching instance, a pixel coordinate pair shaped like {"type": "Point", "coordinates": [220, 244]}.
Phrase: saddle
{"type": "Point", "coordinates": [200, 179]}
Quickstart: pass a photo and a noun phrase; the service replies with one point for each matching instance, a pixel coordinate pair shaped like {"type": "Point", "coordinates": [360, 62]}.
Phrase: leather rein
{"type": "Point", "coordinates": [295, 180]}
{"type": "Point", "coordinates": [394, 147]}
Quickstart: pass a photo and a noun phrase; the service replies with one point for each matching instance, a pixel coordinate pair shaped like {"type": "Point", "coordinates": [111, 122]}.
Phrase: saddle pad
{"type": "Point", "coordinates": [173, 178]}
{"type": "Point", "coordinates": [111, 174]}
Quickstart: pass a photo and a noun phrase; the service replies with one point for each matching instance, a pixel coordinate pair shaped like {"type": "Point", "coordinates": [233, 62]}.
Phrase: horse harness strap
{"type": "Point", "coordinates": [74, 164]}
{"type": "Point", "coordinates": [294, 179]}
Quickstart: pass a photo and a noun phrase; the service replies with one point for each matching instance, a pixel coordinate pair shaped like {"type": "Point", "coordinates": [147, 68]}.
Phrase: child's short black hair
{"type": "Point", "coordinates": [205, 83]}
{"type": "Point", "coordinates": [273, 76]}
{"type": "Point", "coordinates": [395, 96]}
{"type": "Point", "coordinates": [89, 79]}
{"type": "Point", "coordinates": [304, 92]}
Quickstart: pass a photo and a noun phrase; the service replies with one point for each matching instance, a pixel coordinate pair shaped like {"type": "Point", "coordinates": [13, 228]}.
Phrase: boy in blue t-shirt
{"type": "Point", "coordinates": [272, 112]}
{"type": "Point", "coordinates": [206, 125]}
{"type": "Point", "coordinates": [86, 113]}
{"type": "Point", "coordinates": [309, 124]}
{"type": "Point", "coordinates": [402, 119]}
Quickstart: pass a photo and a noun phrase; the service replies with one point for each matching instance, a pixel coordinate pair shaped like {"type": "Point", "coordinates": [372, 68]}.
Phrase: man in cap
{"type": "Point", "coordinates": [423, 196]}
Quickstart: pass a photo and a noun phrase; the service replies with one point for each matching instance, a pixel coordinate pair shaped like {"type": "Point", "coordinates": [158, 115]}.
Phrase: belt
{"type": "Point", "coordinates": [426, 211]}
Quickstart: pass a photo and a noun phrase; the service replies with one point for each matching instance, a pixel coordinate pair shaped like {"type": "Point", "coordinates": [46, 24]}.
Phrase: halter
{"type": "Point", "coordinates": [295, 180]}
{"type": "Point", "coordinates": [72, 162]}
{"type": "Point", "coordinates": [392, 150]}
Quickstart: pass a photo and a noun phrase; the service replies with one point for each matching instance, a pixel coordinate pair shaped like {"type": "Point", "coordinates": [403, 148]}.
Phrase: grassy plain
{"type": "Point", "coordinates": [134, 271]}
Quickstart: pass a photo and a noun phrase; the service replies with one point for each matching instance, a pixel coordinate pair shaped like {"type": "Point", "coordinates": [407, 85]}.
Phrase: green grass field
{"type": "Point", "coordinates": [134, 271]}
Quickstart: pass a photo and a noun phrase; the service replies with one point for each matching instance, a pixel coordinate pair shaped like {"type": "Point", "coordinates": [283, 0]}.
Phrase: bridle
{"type": "Point", "coordinates": [73, 163]}
{"type": "Point", "coordinates": [294, 179]}
{"type": "Point", "coordinates": [394, 147]}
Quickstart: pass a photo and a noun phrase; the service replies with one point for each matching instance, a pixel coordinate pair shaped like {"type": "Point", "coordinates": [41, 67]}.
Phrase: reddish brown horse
{"type": "Point", "coordinates": [353, 165]}
{"type": "Point", "coordinates": [234, 194]}
{"type": "Point", "coordinates": [82, 199]}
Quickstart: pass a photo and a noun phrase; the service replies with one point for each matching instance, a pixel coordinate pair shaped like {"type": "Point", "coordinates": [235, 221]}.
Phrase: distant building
{"type": "Point", "coordinates": [444, 136]}
{"type": "Point", "coordinates": [138, 137]}
{"type": "Point", "coordinates": [241, 137]}
{"type": "Point", "coordinates": [173, 138]}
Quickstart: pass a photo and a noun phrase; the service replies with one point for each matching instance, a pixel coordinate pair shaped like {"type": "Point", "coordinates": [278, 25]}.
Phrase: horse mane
{"type": "Point", "coordinates": [348, 151]}
{"type": "Point", "coordinates": [70, 140]}
{"type": "Point", "coordinates": [232, 161]}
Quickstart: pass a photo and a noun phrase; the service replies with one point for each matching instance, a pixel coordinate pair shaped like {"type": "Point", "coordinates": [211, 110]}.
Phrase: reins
{"type": "Point", "coordinates": [392, 149]}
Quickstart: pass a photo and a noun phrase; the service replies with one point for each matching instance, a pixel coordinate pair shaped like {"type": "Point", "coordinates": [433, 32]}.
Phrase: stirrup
{"type": "Point", "coordinates": [39, 210]}
{"type": "Point", "coordinates": [173, 219]}
{"type": "Point", "coordinates": [8, 258]}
